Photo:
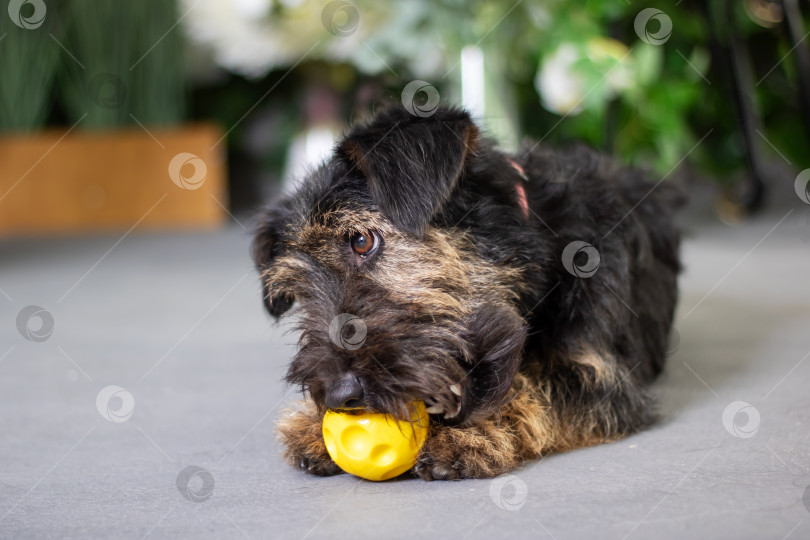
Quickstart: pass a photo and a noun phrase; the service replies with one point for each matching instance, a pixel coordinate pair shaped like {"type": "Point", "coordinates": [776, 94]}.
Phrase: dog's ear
{"type": "Point", "coordinates": [412, 164]}
{"type": "Point", "coordinates": [265, 248]}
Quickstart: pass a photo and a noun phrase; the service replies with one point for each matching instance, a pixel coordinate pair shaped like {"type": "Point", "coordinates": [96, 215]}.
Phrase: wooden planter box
{"type": "Point", "coordinates": [53, 182]}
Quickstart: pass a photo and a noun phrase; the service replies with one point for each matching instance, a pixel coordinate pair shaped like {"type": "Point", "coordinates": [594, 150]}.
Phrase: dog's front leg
{"type": "Point", "coordinates": [520, 431]}
{"type": "Point", "coordinates": [479, 451]}
{"type": "Point", "coordinates": [301, 432]}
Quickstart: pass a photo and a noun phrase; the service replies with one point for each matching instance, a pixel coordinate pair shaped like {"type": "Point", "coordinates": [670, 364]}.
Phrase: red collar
{"type": "Point", "coordinates": [520, 190]}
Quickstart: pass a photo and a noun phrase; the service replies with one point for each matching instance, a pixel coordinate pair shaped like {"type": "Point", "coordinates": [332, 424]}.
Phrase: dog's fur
{"type": "Point", "coordinates": [468, 288]}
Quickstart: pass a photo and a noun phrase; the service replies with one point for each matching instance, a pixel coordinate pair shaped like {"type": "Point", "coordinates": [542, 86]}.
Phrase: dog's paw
{"type": "Point", "coordinates": [427, 468]}
{"type": "Point", "coordinates": [478, 451]}
{"type": "Point", "coordinates": [319, 466]}
{"type": "Point", "coordinates": [301, 433]}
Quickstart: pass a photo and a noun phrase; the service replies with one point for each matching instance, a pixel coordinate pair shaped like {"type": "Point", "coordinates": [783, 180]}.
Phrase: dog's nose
{"type": "Point", "coordinates": [345, 393]}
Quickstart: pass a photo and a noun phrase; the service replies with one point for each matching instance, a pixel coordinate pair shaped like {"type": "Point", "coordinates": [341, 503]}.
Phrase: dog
{"type": "Point", "coordinates": [526, 300]}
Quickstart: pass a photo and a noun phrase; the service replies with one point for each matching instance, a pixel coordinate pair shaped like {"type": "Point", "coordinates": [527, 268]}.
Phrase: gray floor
{"type": "Point", "coordinates": [175, 320]}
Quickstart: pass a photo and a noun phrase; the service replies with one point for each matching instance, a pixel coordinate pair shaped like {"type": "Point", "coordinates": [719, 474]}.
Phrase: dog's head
{"type": "Point", "coordinates": [398, 258]}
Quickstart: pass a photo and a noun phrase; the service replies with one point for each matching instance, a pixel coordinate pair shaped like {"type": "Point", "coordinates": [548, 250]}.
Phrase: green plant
{"type": "Point", "coordinates": [94, 80]}
{"type": "Point", "coordinates": [648, 101]}
{"type": "Point", "coordinates": [107, 63]}
{"type": "Point", "coordinates": [28, 58]}
{"type": "Point", "coordinates": [158, 69]}
{"type": "Point", "coordinates": [126, 67]}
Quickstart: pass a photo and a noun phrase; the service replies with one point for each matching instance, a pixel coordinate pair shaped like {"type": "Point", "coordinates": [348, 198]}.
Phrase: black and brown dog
{"type": "Point", "coordinates": [527, 300]}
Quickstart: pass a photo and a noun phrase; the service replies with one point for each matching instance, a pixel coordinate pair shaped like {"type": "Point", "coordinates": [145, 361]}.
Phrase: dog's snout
{"type": "Point", "coordinates": [345, 393]}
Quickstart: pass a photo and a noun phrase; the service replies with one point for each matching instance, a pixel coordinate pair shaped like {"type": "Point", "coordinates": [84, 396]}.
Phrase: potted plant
{"type": "Point", "coordinates": [114, 74]}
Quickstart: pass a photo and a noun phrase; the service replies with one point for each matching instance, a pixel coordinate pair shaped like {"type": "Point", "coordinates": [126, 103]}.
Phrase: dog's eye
{"type": "Point", "coordinates": [364, 243]}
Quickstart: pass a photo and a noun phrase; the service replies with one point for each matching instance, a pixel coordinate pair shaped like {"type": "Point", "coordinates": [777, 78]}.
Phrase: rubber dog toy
{"type": "Point", "coordinates": [374, 446]}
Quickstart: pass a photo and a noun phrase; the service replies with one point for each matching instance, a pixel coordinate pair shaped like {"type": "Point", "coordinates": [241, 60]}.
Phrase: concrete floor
{"type": "Point", "coordinates": [175, 320]}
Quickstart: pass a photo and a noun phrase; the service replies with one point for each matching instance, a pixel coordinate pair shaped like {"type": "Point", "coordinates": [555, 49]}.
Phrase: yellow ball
{"type": "Point", "coordinates": [374, 446]}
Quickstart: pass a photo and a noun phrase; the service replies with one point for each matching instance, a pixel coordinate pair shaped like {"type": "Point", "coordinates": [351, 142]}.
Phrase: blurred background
{"type": "Point", "coordinates": [104, 102]}
{"type": "Point", "coordinates": [140, 378]}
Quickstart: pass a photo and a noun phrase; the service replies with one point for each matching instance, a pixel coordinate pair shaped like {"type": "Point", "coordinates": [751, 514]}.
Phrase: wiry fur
{"type": "Point", "coordinates": [466, 292]}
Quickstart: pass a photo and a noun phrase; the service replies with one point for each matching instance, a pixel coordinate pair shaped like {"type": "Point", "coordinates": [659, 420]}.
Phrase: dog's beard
{"type": "Point", "coordinates": [394, 371]}
{"type": "Point", "coordinates": [459, 369]}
